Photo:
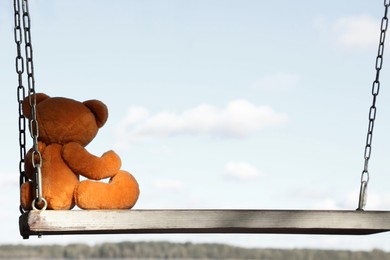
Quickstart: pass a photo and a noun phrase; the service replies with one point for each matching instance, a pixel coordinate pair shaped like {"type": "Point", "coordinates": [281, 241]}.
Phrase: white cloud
{"type": "Point", "coordinates": [378, 201]}
{"type": "Point", "coordinates": [375, 201]}
{"type": "Point", "coordinates": [169, 184]}
{"type": "Point", "coordinates": [9, 180]}
{"type": "Point", "coordinates": [239, 118]}
{"type": "Point", "coordinates": [241, 171]}
{"type": "Point", "coordinates": [352, 32]}
{"type": "Point", "coordinates": [357, 31]}
{"type": "Point", "coordinates": [327, 204]}
{"type": "Point", "coordinates": [325, 198]}
{"type": "Point", "coordinates": [308, 192]}
{"type": "Point", "coordinates": [278, 82]}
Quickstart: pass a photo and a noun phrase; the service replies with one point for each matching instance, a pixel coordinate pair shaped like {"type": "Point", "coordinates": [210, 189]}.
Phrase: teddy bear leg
{"type": "Point", "coordinates": [120, 193]}
{"type": "Point", "coordinates": [58, 180]}
{"type": "Point", "coordinates": [26, 195]}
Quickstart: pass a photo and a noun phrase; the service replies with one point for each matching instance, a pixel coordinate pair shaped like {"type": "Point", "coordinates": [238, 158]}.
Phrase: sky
{"type": "Point", "coordinates": [220, 104]}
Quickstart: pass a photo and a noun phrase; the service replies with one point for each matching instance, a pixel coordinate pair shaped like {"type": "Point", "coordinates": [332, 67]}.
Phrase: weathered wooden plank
{"type": "Point", "coordinates": [51, 222]}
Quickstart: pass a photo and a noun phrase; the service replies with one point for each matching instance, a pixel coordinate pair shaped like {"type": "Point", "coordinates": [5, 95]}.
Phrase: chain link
{"type": "Point", "coordinates": [20, 69]}
{"type": "Point", "coordinates": [365, 176]}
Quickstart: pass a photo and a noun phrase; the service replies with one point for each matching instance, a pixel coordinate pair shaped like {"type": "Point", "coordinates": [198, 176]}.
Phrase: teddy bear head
{"type": "Point", "coordinates": [63, 120]}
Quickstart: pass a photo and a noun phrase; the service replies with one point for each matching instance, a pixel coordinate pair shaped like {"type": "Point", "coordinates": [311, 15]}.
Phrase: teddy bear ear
{"type": "Point", "coordinates": [99, 109]}
{"type": "Point", "coordinates": [39, 97]}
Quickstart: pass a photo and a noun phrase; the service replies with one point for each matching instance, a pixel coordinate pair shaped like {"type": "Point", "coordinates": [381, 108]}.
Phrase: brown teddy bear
{"type": "Point", "coordinates": [66, 126]}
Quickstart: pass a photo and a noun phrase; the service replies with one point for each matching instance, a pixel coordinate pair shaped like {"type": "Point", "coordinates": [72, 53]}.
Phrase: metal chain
{"type": "Point", "coordinates": [372, 112]}
{"type": "Point", "coordinates": [19, 63]}
{"type": "Point", "coordinates": [36, 156]}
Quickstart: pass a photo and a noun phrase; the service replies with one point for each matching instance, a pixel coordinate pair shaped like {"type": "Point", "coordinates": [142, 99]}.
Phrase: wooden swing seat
{"type": "Point", "coordinates": [326, 222]}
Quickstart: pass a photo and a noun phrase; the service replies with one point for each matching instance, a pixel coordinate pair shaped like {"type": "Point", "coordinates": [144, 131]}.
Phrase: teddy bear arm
{"type": "Point", "coordinates": [88, 165]}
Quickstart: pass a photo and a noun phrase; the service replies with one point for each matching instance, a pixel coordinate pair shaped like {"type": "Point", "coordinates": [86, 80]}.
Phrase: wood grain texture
{"type": "Point", "coordinates": [56, 222]}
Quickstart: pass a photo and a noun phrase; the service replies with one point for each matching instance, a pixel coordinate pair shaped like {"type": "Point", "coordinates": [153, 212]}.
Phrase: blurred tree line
{"type": "Point", "coordinates": [167, 250]}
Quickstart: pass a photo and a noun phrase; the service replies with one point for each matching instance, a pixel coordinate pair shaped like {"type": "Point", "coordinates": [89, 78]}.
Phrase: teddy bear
{"type": "Point", "coordinates": [65, 128]}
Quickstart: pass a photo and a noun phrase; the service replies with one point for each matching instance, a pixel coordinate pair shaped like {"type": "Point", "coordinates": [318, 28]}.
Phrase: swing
{"type": "Point", "coordinates": [52, 222]}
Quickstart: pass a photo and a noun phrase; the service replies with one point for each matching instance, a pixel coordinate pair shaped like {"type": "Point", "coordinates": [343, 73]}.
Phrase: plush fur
{"type": "Point", "coordinates": [66, 126]}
